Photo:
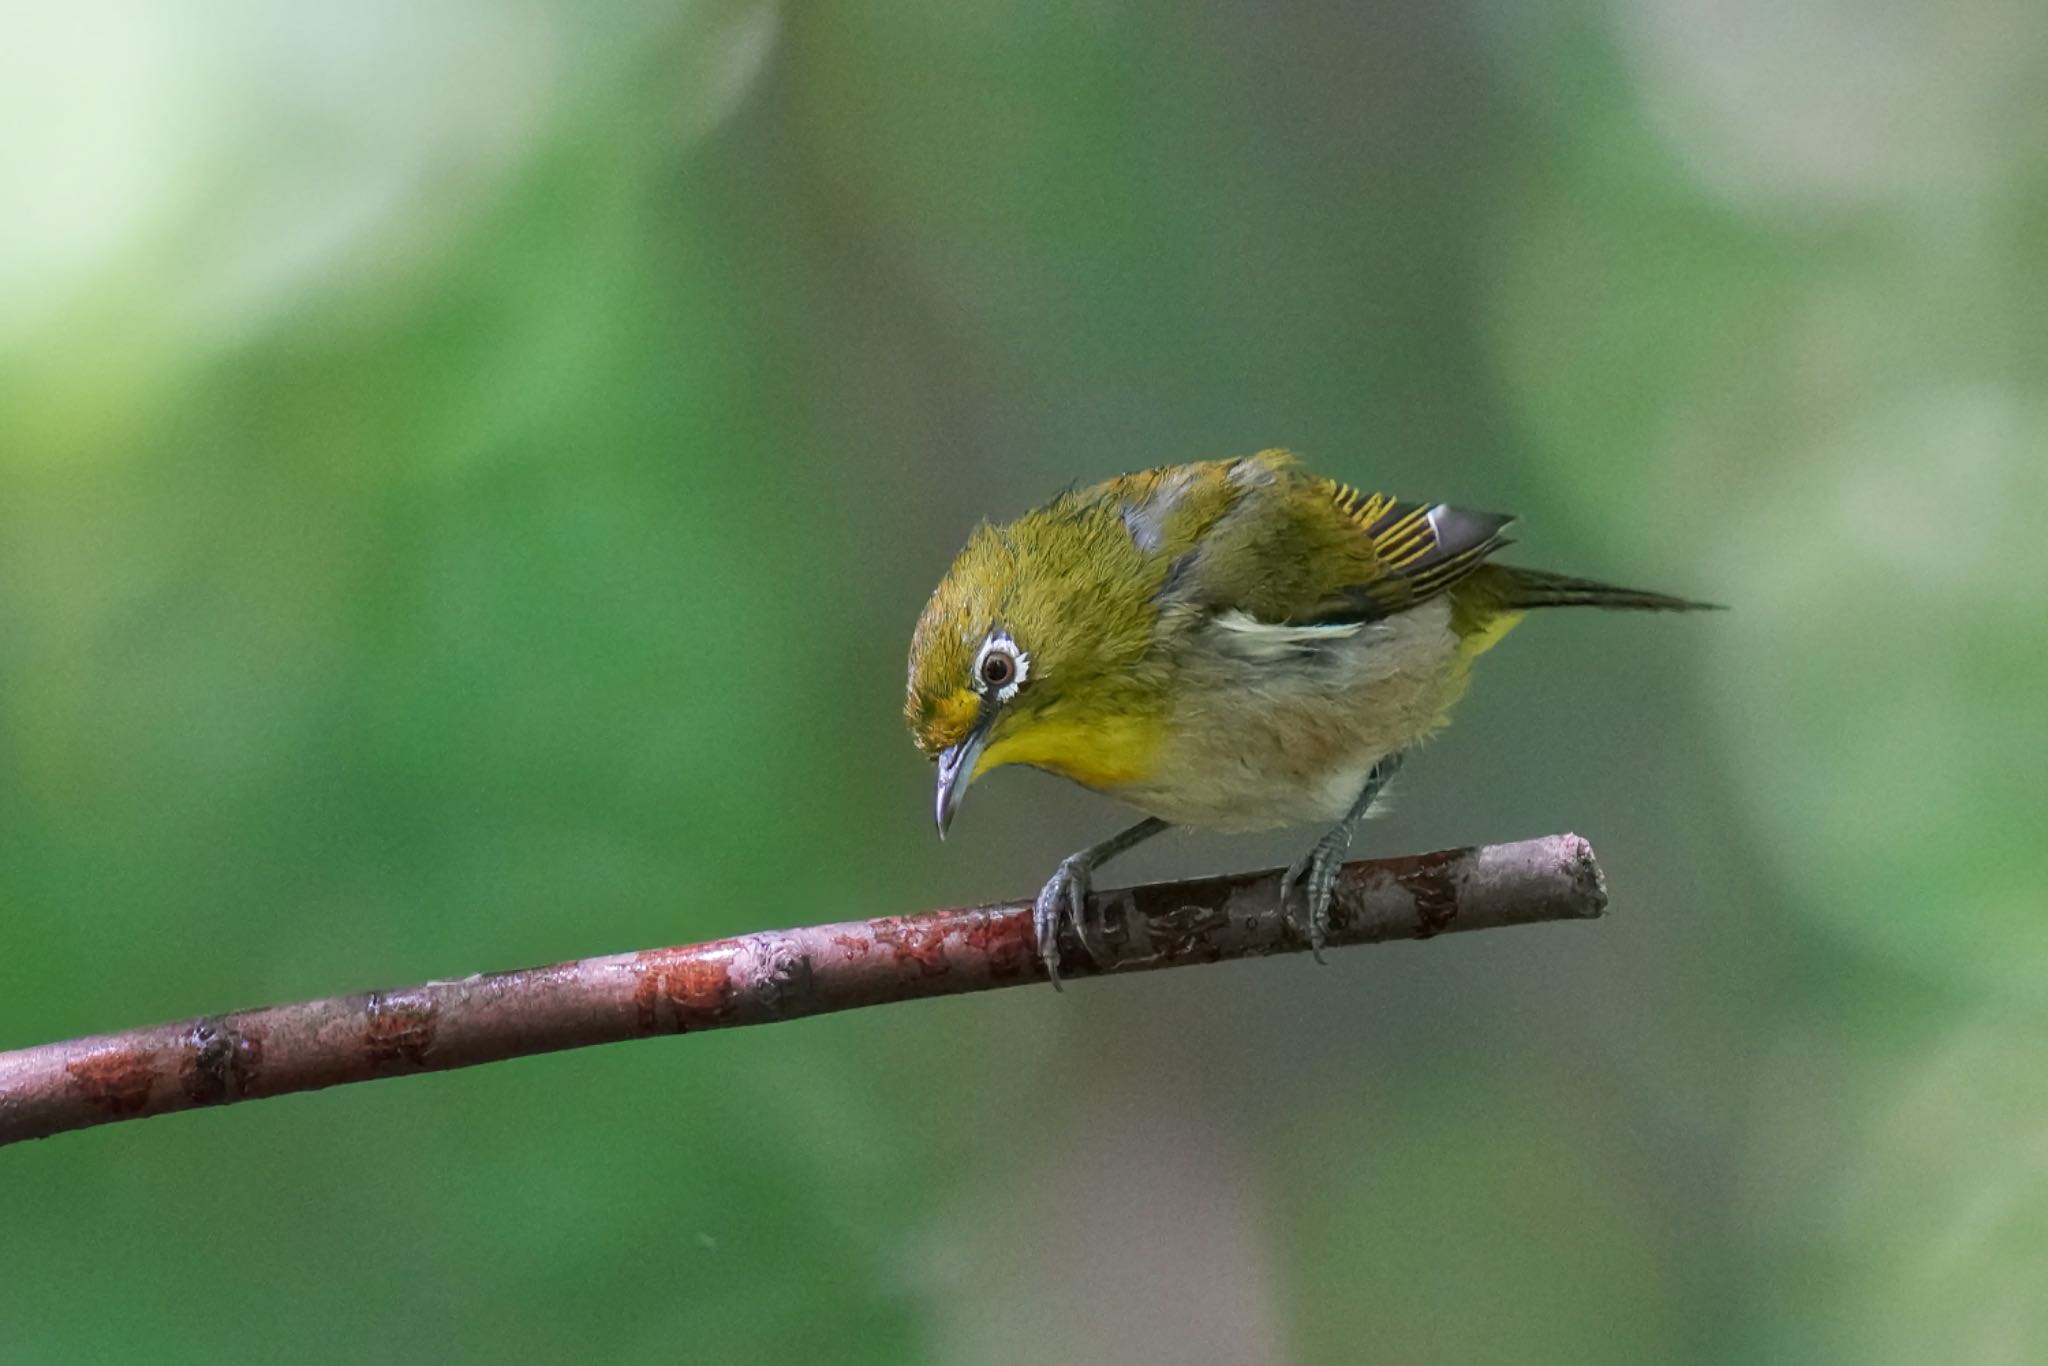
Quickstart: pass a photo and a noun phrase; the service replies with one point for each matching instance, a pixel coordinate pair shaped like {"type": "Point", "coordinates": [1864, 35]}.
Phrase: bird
{"type": "Point", "coordinates": [1229, 645]}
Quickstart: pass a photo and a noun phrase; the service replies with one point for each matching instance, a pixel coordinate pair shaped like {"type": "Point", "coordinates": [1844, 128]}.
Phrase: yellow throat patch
{"type": "Point", "coordinates": [1102, 751]}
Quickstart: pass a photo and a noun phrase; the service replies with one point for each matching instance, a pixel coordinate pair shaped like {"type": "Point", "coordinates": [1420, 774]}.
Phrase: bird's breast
{"type": "Point", "coordinates": [1274, 726]}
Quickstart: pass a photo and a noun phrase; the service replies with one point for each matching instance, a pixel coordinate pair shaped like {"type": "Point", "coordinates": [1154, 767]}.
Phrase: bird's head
{"type": "Point", "coordinates": [1032, 651]}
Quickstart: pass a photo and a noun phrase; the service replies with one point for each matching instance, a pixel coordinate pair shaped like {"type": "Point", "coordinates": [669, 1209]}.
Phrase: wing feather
{"type": "Point", "coordinates": [1264, 538]}
{"type": "Point", "coordinates": [1419, 549]}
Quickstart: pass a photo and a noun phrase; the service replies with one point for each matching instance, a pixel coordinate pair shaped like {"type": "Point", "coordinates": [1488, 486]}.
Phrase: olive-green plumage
{"type": "Point", "coordinates": [1234, 644]}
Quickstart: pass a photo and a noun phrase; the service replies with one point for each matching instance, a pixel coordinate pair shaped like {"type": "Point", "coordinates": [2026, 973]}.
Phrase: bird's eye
{"type": "Point", "coordinates": [998, 668]}
{"type": "Point", "coordinates": [1001, 668]}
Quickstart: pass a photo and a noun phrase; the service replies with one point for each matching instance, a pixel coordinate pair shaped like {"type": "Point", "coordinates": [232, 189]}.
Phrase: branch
{"type": "Point", "coordinates": [760, 978]}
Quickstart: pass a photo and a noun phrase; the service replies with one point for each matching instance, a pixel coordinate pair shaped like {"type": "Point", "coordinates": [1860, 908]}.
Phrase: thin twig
{"type": "Point", "coordinates": [759, 978]}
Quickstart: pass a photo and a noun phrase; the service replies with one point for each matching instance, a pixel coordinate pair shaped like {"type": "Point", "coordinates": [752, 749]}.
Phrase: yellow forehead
{"type": "Point", "coordinates": [943, 722]}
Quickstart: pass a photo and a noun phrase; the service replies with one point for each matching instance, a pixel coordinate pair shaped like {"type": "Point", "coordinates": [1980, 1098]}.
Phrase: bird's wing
{"type": "Point", "coordinates": [1417, 550]}
{"type": "Point", "coordinates": [1261, 541]}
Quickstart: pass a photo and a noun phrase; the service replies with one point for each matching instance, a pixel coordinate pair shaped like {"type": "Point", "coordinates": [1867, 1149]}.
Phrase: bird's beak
{"type": "Point", "coordinates": [956, 770]}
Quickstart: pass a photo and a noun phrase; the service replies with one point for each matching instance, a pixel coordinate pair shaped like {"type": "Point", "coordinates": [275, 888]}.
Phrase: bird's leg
{"type": "Point", "coordinates": [1317, 869]}
{"type": "Point", "coordinates": [1067, 892]}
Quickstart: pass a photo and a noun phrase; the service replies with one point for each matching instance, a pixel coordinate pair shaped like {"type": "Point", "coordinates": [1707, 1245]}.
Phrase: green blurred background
{"type": "Point", "coordinates": [467, 474]}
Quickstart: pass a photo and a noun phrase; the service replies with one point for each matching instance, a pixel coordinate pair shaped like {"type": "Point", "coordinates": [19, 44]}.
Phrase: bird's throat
{"type": "Point", "coordinates": [1105, 752]}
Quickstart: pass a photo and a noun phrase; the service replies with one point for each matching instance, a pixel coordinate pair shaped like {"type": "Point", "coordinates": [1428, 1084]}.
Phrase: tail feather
{"type": "Point", "coordinates": [1523, 590]}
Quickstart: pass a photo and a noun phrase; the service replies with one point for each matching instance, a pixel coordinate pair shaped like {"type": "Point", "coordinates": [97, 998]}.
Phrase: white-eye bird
{"type": "Point", "coordinates": [1232, 645]}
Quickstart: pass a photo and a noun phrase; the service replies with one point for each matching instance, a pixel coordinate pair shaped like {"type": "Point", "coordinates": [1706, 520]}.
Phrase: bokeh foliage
{"type": "Point", "coordinates": [466, 476]}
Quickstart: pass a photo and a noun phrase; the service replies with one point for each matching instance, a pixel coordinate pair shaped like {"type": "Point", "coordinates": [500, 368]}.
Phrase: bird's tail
{"type": "Point", "coordinates": [1522, 590]}
{"type": "Point", "coordinates": [1486, 605]}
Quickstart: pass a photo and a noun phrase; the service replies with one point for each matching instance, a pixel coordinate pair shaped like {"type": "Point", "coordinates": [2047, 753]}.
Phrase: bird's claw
{"type": "Point", "coordinates": [1316, 871]}
{"type": "Point", "coordinates": [1065, 895]}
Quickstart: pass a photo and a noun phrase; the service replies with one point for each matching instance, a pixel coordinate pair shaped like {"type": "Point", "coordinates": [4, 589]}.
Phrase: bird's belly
{"type": "Point", "coordinates": [1262, 739]}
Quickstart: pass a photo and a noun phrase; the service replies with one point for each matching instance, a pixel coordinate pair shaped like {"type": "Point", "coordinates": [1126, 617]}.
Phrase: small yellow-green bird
{"type": "Point", "coordinates": [1233, 645]}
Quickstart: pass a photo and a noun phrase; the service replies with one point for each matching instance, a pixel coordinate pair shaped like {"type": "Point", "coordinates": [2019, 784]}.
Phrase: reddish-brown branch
{"type": "Point", "coordinates": [758, 978]}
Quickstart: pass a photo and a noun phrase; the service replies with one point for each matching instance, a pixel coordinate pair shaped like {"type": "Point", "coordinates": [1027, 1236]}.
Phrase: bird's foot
{"type": "Point", "coordinates": [1065, 895]}
{"type": "Point", "coordinates": [1316, 871]}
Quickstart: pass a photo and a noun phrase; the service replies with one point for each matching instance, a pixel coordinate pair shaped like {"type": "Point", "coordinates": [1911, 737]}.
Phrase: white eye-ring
{"type": "Point", "coordinates": [1001, 667]}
